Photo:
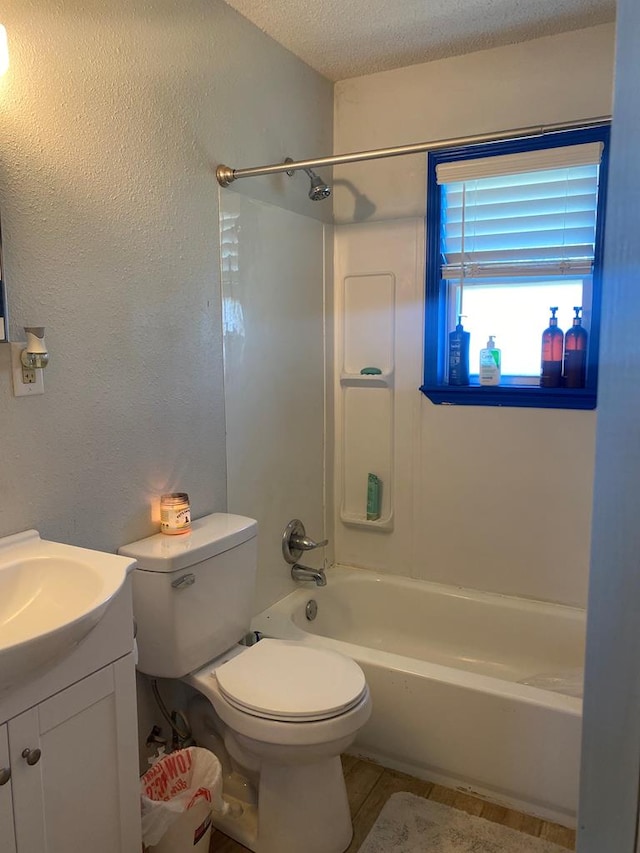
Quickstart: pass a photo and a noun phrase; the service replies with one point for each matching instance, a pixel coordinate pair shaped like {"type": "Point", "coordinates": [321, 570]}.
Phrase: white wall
{"type": "Point", "coordinates": [497, 499]}
{"type": "Point", "coordinates": [114, 116]}
{"type": "Point", "coordinates": [610, 772]}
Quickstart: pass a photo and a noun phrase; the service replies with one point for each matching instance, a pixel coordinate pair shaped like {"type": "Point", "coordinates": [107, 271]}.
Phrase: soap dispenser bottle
{"type": "Point", "coordinates": [490, 363]}
{"type": "Point", "coordinates": [459, 355]}
{"type": "Point", "coordinates": [552, 346]}
{"type": "Point", "coordinates": [575, 353]}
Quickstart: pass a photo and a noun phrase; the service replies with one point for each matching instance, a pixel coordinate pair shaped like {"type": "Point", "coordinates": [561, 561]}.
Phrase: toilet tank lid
{"type": "Point", "coordinates": [207, 537]}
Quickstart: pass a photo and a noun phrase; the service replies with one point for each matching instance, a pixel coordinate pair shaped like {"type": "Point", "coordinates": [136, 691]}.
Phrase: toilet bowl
{"type": "Point", "coordinates": [286, 712]}
{"type": "Point", "coordinates": [277, 713]}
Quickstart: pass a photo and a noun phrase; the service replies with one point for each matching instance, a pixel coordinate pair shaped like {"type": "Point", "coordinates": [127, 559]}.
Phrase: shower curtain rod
{"type": "Point", "coordinates": [226, 175]}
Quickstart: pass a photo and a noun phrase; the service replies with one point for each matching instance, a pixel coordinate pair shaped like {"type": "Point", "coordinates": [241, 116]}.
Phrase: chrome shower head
{"type": "Point", "coordinates": [318, 189]}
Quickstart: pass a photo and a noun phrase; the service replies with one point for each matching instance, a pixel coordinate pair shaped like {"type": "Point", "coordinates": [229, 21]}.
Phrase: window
{"type": "Point", "coordinates": [513, 228]}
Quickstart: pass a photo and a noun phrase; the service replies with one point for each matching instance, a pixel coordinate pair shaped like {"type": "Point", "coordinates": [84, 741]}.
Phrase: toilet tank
{"type": "Point", "coordinates": [193, 593]}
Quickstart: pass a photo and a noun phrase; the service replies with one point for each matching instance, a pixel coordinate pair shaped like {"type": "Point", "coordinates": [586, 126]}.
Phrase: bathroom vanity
{"type": "Point", "coordinates": [68, 743]}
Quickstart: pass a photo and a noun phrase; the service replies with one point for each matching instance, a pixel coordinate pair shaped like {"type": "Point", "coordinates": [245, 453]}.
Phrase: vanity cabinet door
{"type": "Point", "coordinates": [81, 792]}
{"type": "Point", "coordinates": [7, 836]}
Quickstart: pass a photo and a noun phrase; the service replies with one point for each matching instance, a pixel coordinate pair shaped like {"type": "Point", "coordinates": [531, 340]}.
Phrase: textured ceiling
{"type": "Point", "coordinates": [347, 38]}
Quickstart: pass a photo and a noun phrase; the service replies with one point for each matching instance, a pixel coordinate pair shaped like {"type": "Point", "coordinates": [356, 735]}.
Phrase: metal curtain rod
{"type": "Point", "coordinates": [226, 175]}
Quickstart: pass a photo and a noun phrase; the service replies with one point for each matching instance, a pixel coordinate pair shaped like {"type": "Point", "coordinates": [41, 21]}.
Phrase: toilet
{"type": "Point", "coordinates": [278, 714]}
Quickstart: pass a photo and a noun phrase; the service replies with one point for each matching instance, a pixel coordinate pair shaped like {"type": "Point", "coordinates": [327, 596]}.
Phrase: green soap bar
{"type": "Point", "coordinates": [370, 371]}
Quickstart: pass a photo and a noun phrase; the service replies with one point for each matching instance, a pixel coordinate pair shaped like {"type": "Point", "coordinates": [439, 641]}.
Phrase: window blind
{"type": "Point", "coordinates": [532, 213]}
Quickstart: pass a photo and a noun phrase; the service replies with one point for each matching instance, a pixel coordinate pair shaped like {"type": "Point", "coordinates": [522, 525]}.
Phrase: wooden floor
{"type": "Point", "coordinates": [369, 786]}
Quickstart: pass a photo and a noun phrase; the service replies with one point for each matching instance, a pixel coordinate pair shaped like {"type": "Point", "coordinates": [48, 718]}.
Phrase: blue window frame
{"type": "Point", "coordinates": [442, 296]}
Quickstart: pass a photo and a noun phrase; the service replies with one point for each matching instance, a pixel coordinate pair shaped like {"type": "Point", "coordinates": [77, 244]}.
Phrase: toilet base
{"type": "Point", "coordinates": [302, 804]}
{"type": "Point", "coordinates": [302, 808]}
{"type": "Point", "coordinates": [240, 822]}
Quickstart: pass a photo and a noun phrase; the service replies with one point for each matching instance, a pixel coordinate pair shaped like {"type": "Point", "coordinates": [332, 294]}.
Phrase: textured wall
{"type": "Point", "coordinates": [113, 117]}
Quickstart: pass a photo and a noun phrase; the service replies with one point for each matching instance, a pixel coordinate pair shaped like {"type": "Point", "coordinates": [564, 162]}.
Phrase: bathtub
{"type": "Point", "coordinates": [473, 690]}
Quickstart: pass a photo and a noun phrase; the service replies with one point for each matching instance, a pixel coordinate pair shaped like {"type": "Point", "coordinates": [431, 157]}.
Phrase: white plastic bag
{"type": "Point", "coordinates": [175, 784]}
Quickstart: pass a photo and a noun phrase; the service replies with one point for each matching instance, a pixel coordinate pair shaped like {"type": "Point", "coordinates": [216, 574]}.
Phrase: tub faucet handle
{"type": "Point", "coordinates": [295, 541]}
{"type": "Point", "coordinates": [306, 544]}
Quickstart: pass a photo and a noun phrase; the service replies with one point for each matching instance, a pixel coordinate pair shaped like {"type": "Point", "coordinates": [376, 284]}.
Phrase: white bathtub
{"type": "Point", "coordinates": [469, 689]}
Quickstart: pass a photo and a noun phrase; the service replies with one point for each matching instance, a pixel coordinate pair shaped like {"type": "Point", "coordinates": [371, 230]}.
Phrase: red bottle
{"type": "Point", "coordinates": [552, 341]}
{"type": "Point", "coordinates": [575, 354]}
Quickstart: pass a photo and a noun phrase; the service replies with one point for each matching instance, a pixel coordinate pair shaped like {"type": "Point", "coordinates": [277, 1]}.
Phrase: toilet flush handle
{"type": "Point", "coordinates": [184, 581]}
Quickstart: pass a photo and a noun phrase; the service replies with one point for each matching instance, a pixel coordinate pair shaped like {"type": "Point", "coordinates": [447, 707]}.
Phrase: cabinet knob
{"type": "Point", "coordinates": [5, 775]}
{"type": "Point", "coordinates": [31, 756]}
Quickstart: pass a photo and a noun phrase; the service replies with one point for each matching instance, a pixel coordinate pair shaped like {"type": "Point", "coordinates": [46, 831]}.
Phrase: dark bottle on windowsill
{"type": "Point", "coordinates": [575, 353]}
{"type": "Point", "coordinates": [552, 343]}
{"type": "Point", "coordinates": [459, 355]}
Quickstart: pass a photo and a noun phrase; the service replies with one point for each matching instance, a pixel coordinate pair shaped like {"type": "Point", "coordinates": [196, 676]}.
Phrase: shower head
{"type": "Point", "coordinates": [318, 189]}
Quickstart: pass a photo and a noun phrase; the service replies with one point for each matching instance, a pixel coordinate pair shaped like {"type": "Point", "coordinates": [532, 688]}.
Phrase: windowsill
{"type": "Point", "coordinates": [517, 396]}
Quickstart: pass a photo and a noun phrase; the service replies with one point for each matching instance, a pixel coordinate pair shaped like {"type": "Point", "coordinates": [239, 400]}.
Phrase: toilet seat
{"type": "Point", "coordinates": [289, 682]}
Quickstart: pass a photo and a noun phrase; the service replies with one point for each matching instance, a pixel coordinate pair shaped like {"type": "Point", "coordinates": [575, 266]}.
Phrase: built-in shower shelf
{"type": "Point", "coordinates": [367, 380]}
{"type": "Point", "coordinates": [352, 520]}
{"type": "Point", "coordinates": [365, 335]}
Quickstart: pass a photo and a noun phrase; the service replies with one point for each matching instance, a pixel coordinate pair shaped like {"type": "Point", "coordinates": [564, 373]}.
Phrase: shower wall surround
{"type": "Point", "coordinates": [375, 416]}
{"type": "Point", "coordinates": [273, 268]}
{"type": "Point", "coordinates": [498, 500]}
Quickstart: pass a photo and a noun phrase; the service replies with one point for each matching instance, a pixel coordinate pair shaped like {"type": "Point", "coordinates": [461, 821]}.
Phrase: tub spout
{"type": "Point", "coordinates": [303, 573]}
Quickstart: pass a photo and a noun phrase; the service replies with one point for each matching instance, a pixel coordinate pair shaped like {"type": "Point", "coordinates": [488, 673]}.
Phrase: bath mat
{"type": "Point", "coordinates": [410, 824]}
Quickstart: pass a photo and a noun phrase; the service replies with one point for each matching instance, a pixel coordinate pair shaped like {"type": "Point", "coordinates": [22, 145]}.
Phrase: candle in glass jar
{"type": "Point", "coordinates": [175, 513]}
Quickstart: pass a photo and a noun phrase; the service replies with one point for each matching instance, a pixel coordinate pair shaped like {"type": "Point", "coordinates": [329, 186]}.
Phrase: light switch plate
{"type": "Point", "coordinates": [20, 388]}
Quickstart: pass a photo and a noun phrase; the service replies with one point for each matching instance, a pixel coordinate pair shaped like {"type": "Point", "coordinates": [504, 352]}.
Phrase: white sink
{"type": "Point", "coordinates": [51, 597]}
